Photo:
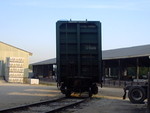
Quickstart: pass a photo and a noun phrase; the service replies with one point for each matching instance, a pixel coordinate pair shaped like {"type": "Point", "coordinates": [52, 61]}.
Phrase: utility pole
{"type": "Point", "coordinates": [148, 89]}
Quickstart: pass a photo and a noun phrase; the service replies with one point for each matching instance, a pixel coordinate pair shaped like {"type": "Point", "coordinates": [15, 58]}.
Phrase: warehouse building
{"type": "Point", "coordinates": [45, 70]}
{"type": "Point", "coordinates": [123, 64]}
{"type": "Point", "coordinates": [126, 64]}
{"type": "Point", "coordinates": [14, 63]}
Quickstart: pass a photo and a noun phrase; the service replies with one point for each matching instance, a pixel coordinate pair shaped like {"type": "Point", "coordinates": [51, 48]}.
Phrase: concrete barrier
{"type": "Point", "coordinates": [33, 81]}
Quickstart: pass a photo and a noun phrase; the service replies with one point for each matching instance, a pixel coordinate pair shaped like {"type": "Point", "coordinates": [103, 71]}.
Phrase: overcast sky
{"type": "Point", "coordinates": [31, 24]}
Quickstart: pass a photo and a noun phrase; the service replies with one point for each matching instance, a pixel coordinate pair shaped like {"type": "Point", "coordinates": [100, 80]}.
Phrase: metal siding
{"type": "Point", "coordinates": [58, 51]}
{"type": "Point", "coordinates": [49, 61]}
{"type": "Point", "coordinates": [129, 52]}
{"type": "Point", "coordinates": [9, 51]}
{"type": "Point", "coordinates": [100, 51]}
{"type": "Point", "coordinates": [71, 54]}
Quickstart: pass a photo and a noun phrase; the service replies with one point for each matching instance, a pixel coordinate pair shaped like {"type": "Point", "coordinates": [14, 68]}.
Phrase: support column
{"type": "Point", "coordinates": [119, 67]}
{"type": "Point", "coordinates": [109, 71]}
{"type": "Point", "coordinates": [104, 72]}
{"type": "Point", "coordinates": [119, 73]}
{"type": "Point", "coordinates": [137, 69]}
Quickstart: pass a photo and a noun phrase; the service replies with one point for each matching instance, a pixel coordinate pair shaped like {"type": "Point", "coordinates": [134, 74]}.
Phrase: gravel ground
{"type": "Point", "coordinates": [105, 105]}
{"type": "Point", "coordinates": [109, 100]}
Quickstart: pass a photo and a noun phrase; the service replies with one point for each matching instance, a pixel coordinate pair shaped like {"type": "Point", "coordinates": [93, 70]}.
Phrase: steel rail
{"type": "Point", "coordinates": [67, 106]}
{"type": "Point", "coordinates": [59, 105]}
{"type": "Point", "coordinates": [9, 110]}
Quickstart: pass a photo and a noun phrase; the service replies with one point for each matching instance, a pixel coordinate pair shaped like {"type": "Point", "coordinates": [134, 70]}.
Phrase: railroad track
{"type": "Point", "coordinates": [51, 106]}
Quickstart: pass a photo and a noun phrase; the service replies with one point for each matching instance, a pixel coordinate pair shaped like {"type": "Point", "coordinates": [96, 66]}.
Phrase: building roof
{"type": "Point", "coordinates": [16, 48]}
{"type": "Point", "coordinates": [129, 52]}
{"type": "Point", "coordinates": [45, 62]}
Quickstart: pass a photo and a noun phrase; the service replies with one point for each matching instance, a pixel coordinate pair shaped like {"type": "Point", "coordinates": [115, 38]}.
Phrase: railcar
{"type": "Point", "coordinates": [78, 56]}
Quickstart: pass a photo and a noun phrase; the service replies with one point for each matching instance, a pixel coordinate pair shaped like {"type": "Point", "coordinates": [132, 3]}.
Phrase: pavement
{"type": "Point", "coordinates": [12, 95]}
{"type": "Point", "coordinates": [2, 81]}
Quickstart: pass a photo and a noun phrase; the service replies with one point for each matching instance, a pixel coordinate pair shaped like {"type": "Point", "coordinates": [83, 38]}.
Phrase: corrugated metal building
{"type": "Point", "coordinates": [120, 64]}
{"type": "Point", "coordinates": [9, 51]}
{"type": "Point", "coordinates": [44, 68]}
{"type": "Point", "coordinates": [125, 63]}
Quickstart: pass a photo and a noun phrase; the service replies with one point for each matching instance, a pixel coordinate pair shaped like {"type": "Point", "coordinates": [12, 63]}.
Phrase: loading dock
{"type": "Point", "coordinates": [124, 64]}
{"type": "Point", "coordinates": [44, 69]}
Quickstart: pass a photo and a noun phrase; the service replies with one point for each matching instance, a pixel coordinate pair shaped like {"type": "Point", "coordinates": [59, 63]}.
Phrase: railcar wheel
{"type": "Point", "coordinates": [58, 85]}
{"type": "Point", "coordinates": [68, 94]}
{"type": "Point", "coordinates": [90, 92]}
{"type": "Point", "coordinates": [94, 89]}
{"type": "Point", "coordinates": [136, 94]}
{"type": "Point", "coordinates": [62, 88]}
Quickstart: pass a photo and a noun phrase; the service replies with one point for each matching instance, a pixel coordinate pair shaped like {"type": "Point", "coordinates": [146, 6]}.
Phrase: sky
{"type": "Point", "coordinates": [31, 24]}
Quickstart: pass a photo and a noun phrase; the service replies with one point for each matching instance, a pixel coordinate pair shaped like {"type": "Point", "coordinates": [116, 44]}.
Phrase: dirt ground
{"type": "Point", "coordinates": [12, 95]}
{"type": "Point", "coordinates": [108, 100]}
